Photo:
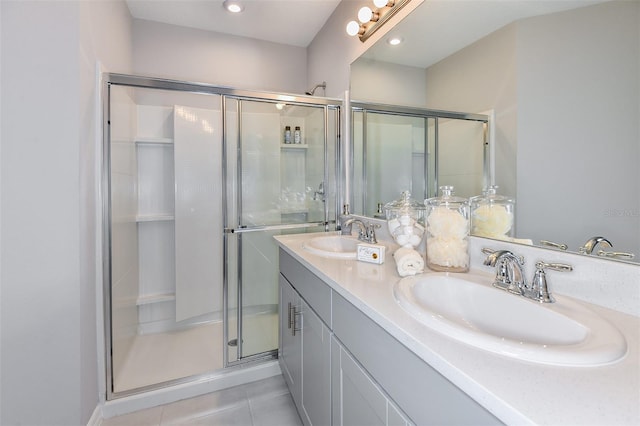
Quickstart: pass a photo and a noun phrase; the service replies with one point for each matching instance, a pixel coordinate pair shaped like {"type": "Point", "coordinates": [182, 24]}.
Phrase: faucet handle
{"type": "Point", "coordinates": [371, 233]}
{"type": "Point", "coordinates": [539, 289]}
{"type": "Point", "coordinates": [554, 245]}
{"type": "Point", "coordinates": [616, 254]}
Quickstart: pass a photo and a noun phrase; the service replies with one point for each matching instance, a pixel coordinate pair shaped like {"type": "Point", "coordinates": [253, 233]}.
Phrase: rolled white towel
{"type": "Point", "coordinates": [408, 261]}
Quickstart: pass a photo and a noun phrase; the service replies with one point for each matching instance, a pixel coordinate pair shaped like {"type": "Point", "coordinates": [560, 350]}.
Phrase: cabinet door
{"type": "Point", "coordinates": [316, 369]}
{"type": "Point", "coordinates": [290, 339]}
{"type": "Point", "coordinates": [357, 399]}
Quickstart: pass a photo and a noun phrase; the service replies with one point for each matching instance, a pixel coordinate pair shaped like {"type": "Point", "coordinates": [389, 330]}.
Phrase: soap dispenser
{"type": "Point", "coordinates": [492, 215]}
{"type": "Point", "coordinates": [447, 232]}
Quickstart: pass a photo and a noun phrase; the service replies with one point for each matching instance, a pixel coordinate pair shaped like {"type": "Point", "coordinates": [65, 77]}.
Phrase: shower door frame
{"type": "Point", "coordinates": [142, 82]}
{"type": "Point", "coordinates": [300, 101]}
{"type": "Point", "coordinates": [365, 108]}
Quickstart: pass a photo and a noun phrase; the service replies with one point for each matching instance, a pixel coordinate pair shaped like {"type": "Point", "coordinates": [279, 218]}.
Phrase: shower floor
{"type": "Point", "coordinates": [160, 357]}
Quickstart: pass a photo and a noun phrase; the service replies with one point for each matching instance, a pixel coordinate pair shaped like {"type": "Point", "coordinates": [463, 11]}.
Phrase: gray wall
{"type": "Point", "coordinates": [387, 83]}
{"type": "Point", "coordinates": [180, 53]}
{"type": "Point", "coordinates": [49, 357]}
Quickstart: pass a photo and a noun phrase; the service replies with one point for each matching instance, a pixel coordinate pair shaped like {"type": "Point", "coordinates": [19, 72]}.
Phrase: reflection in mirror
{"type": "Point", "coordinates": [396, 149]}
{"type": "Point", "coordinates": [564, 87]}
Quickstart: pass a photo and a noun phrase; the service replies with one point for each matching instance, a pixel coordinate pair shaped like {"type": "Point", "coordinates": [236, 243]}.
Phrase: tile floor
{"type": "Point", "coordinates": [265, 402]}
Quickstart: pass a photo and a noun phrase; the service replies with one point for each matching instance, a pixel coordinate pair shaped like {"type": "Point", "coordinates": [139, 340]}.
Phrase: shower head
{"type": "Point", "coordinates": [312, 91]}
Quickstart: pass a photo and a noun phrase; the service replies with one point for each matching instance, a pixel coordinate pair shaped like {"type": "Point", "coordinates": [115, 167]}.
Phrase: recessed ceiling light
{"type": "Point", "coordinates": [233, 6]}
{"type": "Point", "coordinates": [394, 41]}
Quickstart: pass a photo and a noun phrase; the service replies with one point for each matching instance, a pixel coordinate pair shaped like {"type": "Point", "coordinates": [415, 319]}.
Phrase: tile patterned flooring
{"type": "Point", "coordinates": [263, 403]}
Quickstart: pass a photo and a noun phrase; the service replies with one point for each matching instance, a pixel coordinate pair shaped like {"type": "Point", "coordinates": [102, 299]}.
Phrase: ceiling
{"type": "Point", "coordinates": [438, 28]}
{"type": "Point", "coordinates": [292, 22]}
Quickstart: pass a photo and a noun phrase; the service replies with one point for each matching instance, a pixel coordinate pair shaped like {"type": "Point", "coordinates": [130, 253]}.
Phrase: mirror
{"type": "Point", "coordinates": [561, 78]}
{"type": "Point", "coordinates": [414, 149]}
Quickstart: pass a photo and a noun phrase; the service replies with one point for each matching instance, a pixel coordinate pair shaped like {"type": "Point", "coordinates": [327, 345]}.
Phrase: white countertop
{"type": "Point", "coordinates": [516, 392]}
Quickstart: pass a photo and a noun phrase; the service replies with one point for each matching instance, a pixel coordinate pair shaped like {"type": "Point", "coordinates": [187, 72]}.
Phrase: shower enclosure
{"type": "Point", "coordinates": [401, 148]}
{"type": "Point", "coordinates": [197, 180]}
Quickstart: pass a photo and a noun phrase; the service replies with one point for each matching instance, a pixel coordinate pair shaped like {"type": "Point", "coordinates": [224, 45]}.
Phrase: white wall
{"type": "Point", "coordinates": [386, 83]}
{"type": "Point", "coordinates": [49, 372]}
{"type": "Point", "coordinates": [188, 54]}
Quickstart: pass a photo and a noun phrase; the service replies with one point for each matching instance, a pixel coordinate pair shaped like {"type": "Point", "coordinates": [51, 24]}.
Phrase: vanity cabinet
{"type": "Point", "coordinates": [350, 369]}
{"type": "Point", "coordinates": [305, 356]}
{"type": "Point", "coordinates": [356, 398]}
{"type": "Point", "coordinates": [290, 347]}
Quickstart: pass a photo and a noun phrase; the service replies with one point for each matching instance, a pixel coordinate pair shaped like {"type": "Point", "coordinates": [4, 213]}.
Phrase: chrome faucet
{"type": "Point", "coordinates": [366, 232]}
{"type": "Point", "coordinates": [592, 242]}
{"type": "Point", "coordinates": [510, 275]}
{"type": "Point", "coordinates": [318, 194]}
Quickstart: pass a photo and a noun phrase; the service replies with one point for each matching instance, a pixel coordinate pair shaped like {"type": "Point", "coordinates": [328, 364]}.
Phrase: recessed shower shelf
{"type": "Point", "coordinates": [154, 141]}
{"type": "Point", "coordinates": [155, 218]}
{"type": "Point", "coordinates": [293, 146]}
{"type": "Point", "coordinates": [155, 298]}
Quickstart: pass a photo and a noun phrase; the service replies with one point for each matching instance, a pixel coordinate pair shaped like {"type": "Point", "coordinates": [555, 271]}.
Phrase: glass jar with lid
{"type": "Point", "coordinates": [447, 232]}
{"type": "Point", "coordinates": [405, 220]}
{"type": "Point", "coordinates": [492, 215]}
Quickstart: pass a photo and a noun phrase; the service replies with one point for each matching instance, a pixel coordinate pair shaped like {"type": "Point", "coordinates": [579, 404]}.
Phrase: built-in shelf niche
{"type": "Point", "coordinates": [156, 215]}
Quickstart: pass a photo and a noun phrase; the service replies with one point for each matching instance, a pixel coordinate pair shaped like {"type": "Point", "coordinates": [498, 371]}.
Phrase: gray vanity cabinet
{"type": "Point", "coordinates": [290, 347]}
{"type": "Point", "coordinates": [305, 356]}
{"type": "Point", "coordinates": [356, 398]}
{"type": "Point", "coordinates": [316, 369]}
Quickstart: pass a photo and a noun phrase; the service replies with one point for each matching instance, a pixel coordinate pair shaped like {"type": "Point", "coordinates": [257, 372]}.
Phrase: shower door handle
{"type": "Point", "coordinates": [243, 229]}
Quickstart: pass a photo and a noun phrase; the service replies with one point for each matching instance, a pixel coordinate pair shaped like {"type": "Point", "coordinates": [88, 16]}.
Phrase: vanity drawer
{"type": "Point", "coordinates": [312, 289]}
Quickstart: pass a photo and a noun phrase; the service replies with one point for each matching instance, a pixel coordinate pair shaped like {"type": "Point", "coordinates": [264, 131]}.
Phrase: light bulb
{"type": "Point", "coordinates": [353, 28]}
{"type": "Point", "coordinates": [365, 14]}
{"type": "Point", "coordinates": [394, 41]}
{"type": "Point", "coordinates": [380, 3]}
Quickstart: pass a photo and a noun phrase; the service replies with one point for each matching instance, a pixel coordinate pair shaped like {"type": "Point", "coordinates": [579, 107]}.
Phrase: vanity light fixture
{"type": "Point", "coordinates": [233, 6]}
{"type": "Point", "coordinates": [372, 19]}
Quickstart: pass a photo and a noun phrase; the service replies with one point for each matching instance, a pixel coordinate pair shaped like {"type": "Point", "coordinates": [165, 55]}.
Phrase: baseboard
{"type": "Point", "coordinates": [96, 417]}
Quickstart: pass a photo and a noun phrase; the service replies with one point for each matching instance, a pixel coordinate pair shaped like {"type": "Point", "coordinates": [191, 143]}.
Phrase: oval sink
{"type": "Point", "coordinates": [336, 246]}
{"type": "Point", "coordinates": [467, 308]}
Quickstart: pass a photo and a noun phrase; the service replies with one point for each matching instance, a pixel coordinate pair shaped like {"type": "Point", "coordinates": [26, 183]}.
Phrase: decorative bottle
{"type": "Point", "coordinates": [447, 232]}
{"type": "Point", "coordinates": [297, 136]}
{"type": "Point", "coordinates": [287, 135]}
{"type": "Point", "coordinates": [492, 215]}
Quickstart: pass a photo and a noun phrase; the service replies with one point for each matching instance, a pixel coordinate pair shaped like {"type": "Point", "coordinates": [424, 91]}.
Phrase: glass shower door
{"type": "Point", "coordinates": [273, 188]}
{"type": "Point", "coordinates": [165, 251]}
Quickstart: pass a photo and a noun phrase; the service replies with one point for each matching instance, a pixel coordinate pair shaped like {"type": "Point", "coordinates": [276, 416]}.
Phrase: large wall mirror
{"type": "Point", "coordinates": [562, 79]}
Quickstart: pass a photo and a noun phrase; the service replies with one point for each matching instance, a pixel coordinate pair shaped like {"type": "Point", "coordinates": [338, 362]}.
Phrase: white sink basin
{"type": "Point", "coordinates": [335, 246]}
{"type": "Point", "coordinates": [467, 308]}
